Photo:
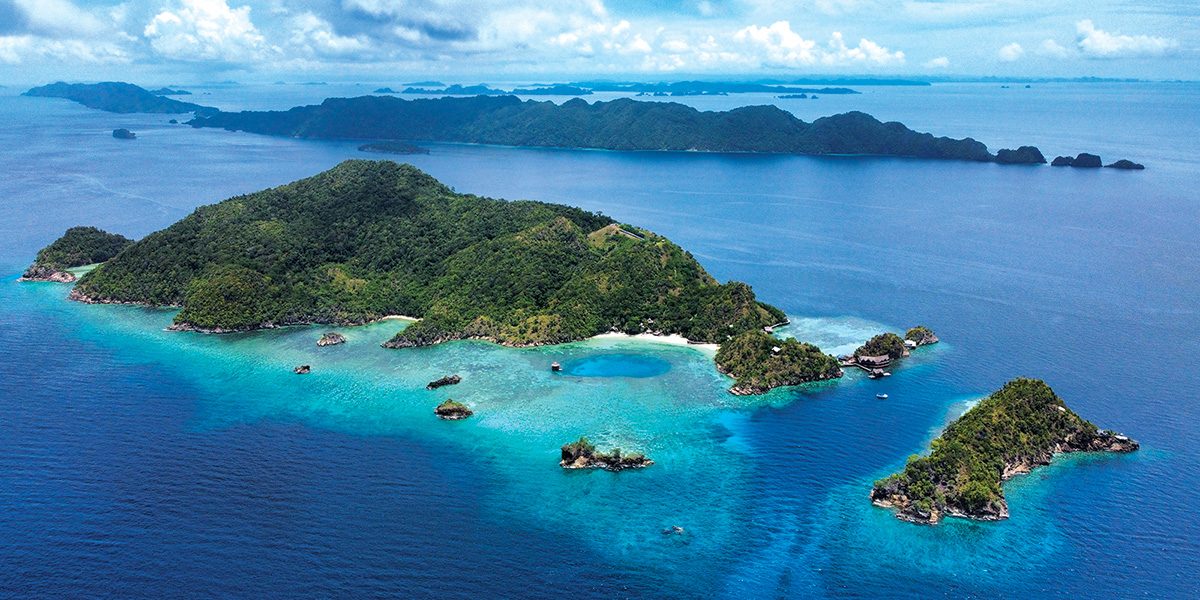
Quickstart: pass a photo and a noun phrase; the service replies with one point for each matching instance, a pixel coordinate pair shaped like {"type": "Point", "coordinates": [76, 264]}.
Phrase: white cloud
{"type": "Point", "coordinates": [1011, 52]}
{"type": "Point", "coordinates": [865, 52]}
{"type": "Point", "coordinates": [58, 18]}
{"type": "Point", "coordinates": [705, 8]}
{"type": "Point", "coordinates": [1098, 43]}
{"type": "Point", "coordinates": [206, 30]}
{"type": "Point", "coordinates": [1053, 49]}
{"type": "Point", "coordinates": [776, 45]}
{"type": "Point", "coordinates": [675, 46]}
{"type": "Point", "coordinates": [18, 49]}
{"type": "Point", "coordinates": [781, 45]}
{"type": "Point", "coordinates": [314, 35]}
{"type": "Point", "coordinates": [940, 62]}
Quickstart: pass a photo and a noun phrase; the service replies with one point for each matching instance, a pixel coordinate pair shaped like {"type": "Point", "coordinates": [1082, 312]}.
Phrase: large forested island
{"type": "Point", "coordinates": [1013, 431]}
{"type": "Point", "coordinates": [368, 239]}
{"type": "Point", "coordinates": [622, 124]}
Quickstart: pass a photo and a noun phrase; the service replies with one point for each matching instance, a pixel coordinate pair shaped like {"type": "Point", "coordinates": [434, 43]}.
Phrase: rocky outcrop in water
{"type": "Point", "coordinates": [1086, 161]}
{"type": "Point", "coordinates": [444, 381]}
{"type": "Point", "coordinates": [124, 134]}
{"type": "Point", "coordinates": [302, 370]}
{"type": "Point", "coordinates": [331, 339]}
{"type": "Point", "coordinates": [452, 411]}
{"type": "Point", "coordinates": [921, 336]}
{"type": "Point", "coordinates": [582, 454]}
{"type": "Point", "coordinates": [1025, 155]}
{"type": "Point", "coordinates": [38, 272]}
{"type": "Point", "coordinates": [1062, 161]}
{"type": "Point", "coordinates": [1127, 165]}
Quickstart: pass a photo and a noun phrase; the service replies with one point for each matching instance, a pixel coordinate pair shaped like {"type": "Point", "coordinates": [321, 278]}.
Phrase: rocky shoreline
{"type": "Point", "coordinates": [43, 273]}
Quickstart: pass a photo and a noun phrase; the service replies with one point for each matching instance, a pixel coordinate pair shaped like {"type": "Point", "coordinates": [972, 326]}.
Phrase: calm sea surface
{"type": "Point", "coordinates": [140, 463]}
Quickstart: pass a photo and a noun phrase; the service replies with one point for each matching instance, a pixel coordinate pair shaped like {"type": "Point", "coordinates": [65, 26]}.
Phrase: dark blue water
{"type": "Point", "coordinates": [131, 466]}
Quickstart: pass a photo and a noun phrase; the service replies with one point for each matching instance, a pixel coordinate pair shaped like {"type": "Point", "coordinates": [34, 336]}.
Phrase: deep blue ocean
{"type": "Point", "coordinates": [136, 462]}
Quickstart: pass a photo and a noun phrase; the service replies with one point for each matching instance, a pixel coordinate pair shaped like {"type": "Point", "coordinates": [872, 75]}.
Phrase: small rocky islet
{"type": "Point", "coordinates": [331, 338]}
{"type": "Point", "coordinates": [582, 454]}
{"type": "Point", "coordinates": [451, 410]}
{"type": "Point", "coordinates": [1091, 161]}
{"type": "Point", "coordinates": [443, 381]}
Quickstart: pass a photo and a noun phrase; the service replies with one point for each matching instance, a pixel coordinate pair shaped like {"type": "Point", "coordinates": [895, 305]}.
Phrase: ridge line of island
{"type": "Point", "coordinates": [367, 239]}
{"type": "Point", "coordinates": [623, 124]}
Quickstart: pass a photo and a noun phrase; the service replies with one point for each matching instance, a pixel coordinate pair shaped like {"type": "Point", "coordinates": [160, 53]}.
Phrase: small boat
{"type": "Point", "coordinates": [881, 396]}
{"type": "Point", "coordinates": [872, 376]}
{"type": "Point", "coordinates": [887, 373]}
{"type": "Point", "coordinates": [554, 366]}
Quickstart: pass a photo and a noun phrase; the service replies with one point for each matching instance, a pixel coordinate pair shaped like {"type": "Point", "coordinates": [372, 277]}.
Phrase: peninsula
{"type": "Point", "coordinates": [77, 247]}
{"type": "Point", "coordinates": [1013, 431]}
{"type": "Point", "coordinates": [368, 239]}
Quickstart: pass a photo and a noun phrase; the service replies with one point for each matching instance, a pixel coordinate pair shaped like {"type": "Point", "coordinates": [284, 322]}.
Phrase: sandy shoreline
{"type": "Point", "coordinates": [397, 318]}
{"type": "Point", "coordinates": [673, 339]}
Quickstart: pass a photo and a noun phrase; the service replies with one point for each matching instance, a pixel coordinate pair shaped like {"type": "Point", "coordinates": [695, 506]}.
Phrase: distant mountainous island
{"type": "Point", "coordinates": [622, 124]}
{"type": "Point", "coordinates": [368, 239]}
{"type": "Point", "coordinates": [117, 97]}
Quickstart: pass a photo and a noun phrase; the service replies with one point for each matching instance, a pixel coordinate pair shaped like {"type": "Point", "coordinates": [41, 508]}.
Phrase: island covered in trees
{"type": "Point", "coordinates": [1013, 431]}
{"type": "Point", "coordinates": [369, 239]}
{"type": "Point", "coordinates": [761, 362]}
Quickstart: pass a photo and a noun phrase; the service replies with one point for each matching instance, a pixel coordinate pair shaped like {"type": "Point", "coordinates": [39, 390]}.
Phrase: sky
{"type": "Point", "coordinates": [557, 40]}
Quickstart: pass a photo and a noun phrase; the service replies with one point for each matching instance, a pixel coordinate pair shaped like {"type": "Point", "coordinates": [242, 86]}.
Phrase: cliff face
{"type": "Point", "coordinates": [1013, 431]}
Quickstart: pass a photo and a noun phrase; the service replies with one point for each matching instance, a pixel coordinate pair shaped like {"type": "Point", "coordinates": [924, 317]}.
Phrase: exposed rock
{"type": "Point", "coordinates": [124, 134]}
{"type": "Point", "coordinates": [583, 455]}
{"type": "Point", "coordinates": [1025, 155]}
{"type": "Point", "coordinates": [331, 339]}
{"type": "Point", "coordinates": [452, 411]}
{"type": "Point", "coordinates": [38, 272]}
{"type": "Point", "coordinates": [921, 336]}
{"type": "Point", "coordinates": [1062, 161]}
{"type": "Point", "coordinates": [1127, 165]}
{"type": "Point", "coordinates": [302, 370]}
{"type": "Point", "coordinates": [444, 381]}
{"type": "Point", "coordinates": [1087, 161]}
